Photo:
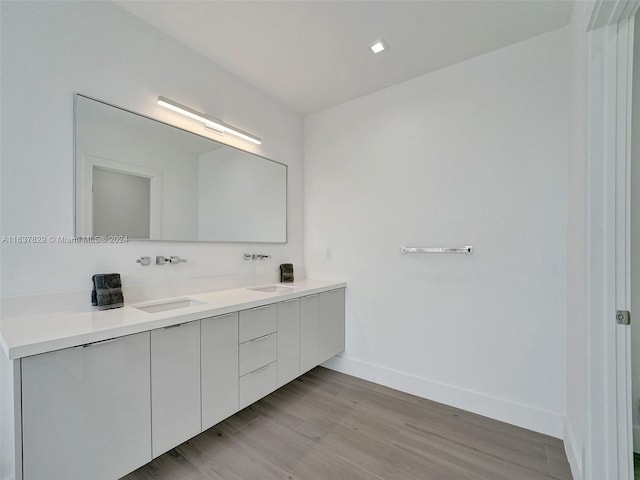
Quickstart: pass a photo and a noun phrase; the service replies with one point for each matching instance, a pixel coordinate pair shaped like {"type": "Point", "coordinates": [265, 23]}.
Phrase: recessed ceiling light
{"type": "Point", "coordinates": [378, 47]}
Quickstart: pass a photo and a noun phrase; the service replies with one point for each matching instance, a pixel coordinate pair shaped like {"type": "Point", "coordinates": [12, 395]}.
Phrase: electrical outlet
{"type": "Point", "coordinates": [328, 253]}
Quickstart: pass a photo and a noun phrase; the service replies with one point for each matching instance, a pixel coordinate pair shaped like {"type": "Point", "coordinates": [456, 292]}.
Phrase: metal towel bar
{"type": "Point", "coordinates": [468, 249]}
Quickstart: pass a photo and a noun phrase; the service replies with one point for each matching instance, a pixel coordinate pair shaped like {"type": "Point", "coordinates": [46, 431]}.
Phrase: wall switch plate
{"type": "Point", "coordinates": [328, 253]}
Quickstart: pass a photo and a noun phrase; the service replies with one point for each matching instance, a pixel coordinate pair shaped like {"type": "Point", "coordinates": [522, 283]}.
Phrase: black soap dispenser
{"type": "Point", "coordinates": [286, 273]}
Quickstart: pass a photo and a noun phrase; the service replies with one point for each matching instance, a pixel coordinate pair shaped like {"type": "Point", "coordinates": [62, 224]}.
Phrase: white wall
{"type": "Point", "coordinates": [50, 50]}
{"type": "Point", "coordinates": [474, 154]}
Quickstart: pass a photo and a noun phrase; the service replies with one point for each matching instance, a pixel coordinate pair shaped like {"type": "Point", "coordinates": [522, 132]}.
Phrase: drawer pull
{"type": "Point", "coordinates": [289, 301]}
{"type": "Point", "coordinates": [96, 343]}
{"type": "Point", "coordinates": [259, 339]}
{"type": "Point", "coordinates": [260, 308]}
{"type": "Point", "coordinates": [258, 370]}
{"type": "Point", "coordinates": [178, 325]}
{"type": "Point", "coordinates": [312, 295]}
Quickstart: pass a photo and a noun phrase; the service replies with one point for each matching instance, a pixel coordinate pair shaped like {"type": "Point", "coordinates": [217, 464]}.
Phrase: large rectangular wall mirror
{"type": "Point", "coordinates": [144, 179]}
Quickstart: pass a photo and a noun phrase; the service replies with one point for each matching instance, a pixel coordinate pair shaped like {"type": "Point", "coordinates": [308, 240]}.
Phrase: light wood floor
{"type": "Point", "coordinates": [326, 425]}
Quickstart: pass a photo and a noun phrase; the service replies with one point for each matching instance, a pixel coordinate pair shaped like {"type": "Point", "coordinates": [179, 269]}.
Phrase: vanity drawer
{"type": "Point", "coordinates": [257, 353]}
{"type": "Point", "coordinates": [258, 322]}
{"type": "Point", "coordinates": [257, 384]}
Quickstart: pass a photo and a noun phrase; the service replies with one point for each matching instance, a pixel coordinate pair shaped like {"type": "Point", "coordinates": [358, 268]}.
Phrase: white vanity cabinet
{"type": "Point", "coordinates": [101, 410]}
{"type": "Point", "coordinates": [86, 411]}
{"type": "Point", "coordinates": [308, 333]}
{"type": "Point", "coordinates": [288, 341]}
{"type": "Point", "coordinates": [175, 385]}
{"type": "Point", "coordinates": [219, 357]}
{"type": "Point", "coordinates": [331, 327]}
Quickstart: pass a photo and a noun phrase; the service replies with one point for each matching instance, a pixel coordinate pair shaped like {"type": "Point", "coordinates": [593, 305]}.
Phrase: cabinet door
{"type": "Point", "coordinates": [86, 411]}
{"type": "Point", "coordinates": [330, 324]}
{"type": "Point", "coordinates": [219, 343]}
{"type": "Point", "coordinates": [175, 385]}
{"type": "Point", "coordinates": [308, 333]}
{"type": "Point", "coordinates": [288, 340]}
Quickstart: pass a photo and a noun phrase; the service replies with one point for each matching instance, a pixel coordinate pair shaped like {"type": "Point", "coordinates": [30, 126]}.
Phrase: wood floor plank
{"type": "Point", "coordinates": [219, 452]}
{"type": "Point", "coordinates": [170, 466]}
{"type": "Point", "coordinates": [327, 425]}
{"type": "Point", "coordinates": [510, 448]}
{"type": "Point", "coordinates": [470, 463]}
{"type": "Point", "coordinates": [558, 465]}
{"type": "Point", "coordinates": [406, 401]}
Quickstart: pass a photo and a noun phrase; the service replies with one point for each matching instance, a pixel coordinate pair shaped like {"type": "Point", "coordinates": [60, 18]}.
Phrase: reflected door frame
{"type": "Point", "coordinates": [84, 190]}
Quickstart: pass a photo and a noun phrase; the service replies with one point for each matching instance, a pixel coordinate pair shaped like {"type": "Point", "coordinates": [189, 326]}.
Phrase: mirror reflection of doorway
{"type": "Point", "coordinates": [121, 204]}
{"type": "Point", "coordinates": [127, 197]}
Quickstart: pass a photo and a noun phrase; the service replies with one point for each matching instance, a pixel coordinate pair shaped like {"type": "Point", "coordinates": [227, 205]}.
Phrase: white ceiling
{"type": "Point", "coordinates": [312, 55]}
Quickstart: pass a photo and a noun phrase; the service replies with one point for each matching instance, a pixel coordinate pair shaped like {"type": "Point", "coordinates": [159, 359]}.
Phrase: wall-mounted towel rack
{"type": "Point", "coordinates": [468, 249]}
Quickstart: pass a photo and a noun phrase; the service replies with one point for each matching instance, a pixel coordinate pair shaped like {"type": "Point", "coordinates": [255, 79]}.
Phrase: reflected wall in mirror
{"type": "Point", "coordinates": [145, 179]}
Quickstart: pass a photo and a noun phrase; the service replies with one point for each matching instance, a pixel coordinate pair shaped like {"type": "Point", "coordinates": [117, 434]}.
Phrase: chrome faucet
{"type": "Point", "coordinates": [144, 261]}
{"type": "Point", "coordinates": [255, 256]}
{"type": "Point", "coordinates": [161, 260]}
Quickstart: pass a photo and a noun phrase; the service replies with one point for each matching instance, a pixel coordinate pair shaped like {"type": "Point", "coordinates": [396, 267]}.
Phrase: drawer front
{"type": "Point", "coordinates": [258, 322]}
{"type": "Point", "coordinates": [257, 384]}
{"type": "Point", "coordinates": [257, 353]}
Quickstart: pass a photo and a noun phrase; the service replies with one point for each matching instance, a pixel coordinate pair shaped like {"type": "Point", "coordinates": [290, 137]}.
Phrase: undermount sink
{"type": "Point", "coordinates": [168, 305]}
{"type": "Point", "coordinates": [272, 289]}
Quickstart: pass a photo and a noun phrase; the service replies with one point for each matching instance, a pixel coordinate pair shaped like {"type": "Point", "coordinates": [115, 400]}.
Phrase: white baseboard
{"type": "Point", "coordinates": [499, 409]}
{"type": "Point", "coordinates": [574, 452]}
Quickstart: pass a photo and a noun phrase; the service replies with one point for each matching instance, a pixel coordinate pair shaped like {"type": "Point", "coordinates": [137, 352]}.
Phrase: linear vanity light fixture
{"type": "Point", "coordinates": [468, 249]}
{"type": "Point", "coordinates": [209, 122]}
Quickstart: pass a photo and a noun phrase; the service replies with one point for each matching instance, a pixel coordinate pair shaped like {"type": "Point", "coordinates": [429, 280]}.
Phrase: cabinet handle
{"type": "Point", "coordinates": [260, 308]}
{"type": "Point", "coordinates": [96, 343]}
{"type": "Point", "coordinates": [179, 325]}
{"type": "Point", "coordinates": [312, 295]}
{"type": "Point", "coordinates": [259, 339]}
{"type": "Point", "coordinates": [257, 370]}
{"type": "Point", "coordinates": [289, 301]}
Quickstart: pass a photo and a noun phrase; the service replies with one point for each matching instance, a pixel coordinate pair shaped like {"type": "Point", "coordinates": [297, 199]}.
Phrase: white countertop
{"type": "Point", "coordinates": [31, 335]}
